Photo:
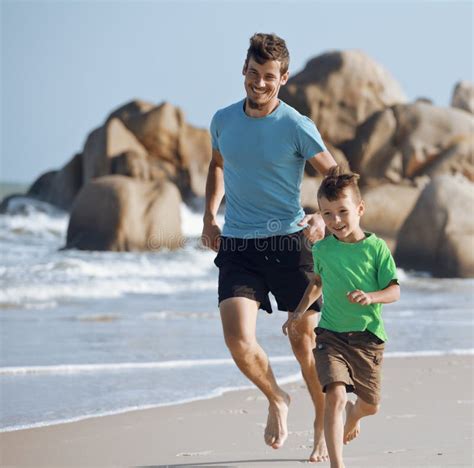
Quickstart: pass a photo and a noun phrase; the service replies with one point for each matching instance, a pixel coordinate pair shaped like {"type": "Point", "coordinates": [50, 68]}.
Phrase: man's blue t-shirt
{"type": "Point", "coordinates": [264, 161]}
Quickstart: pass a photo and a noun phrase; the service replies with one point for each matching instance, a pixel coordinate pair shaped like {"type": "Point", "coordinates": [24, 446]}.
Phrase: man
{"type": "Point", "coordinates": [260, 146]}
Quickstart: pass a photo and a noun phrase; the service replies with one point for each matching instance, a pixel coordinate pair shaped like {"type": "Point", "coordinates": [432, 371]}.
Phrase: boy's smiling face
{"type": "Point", "coordinates": [342, 216]}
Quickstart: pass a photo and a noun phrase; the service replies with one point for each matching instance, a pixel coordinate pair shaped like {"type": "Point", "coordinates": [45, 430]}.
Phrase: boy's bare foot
{"type": "Point", "coordinates": [320, 451]}
{"type": "Point", "coordinates": [276, 431]}
{"type": "Point", "coordinates": [352, 425]}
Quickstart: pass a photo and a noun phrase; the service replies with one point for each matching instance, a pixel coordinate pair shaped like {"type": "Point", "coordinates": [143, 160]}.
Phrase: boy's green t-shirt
{"type": "Point", "coordinates": [367, 265]}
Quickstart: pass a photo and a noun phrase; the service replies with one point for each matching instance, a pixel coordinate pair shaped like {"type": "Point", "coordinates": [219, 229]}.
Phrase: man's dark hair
{"type": "Point", "coordinates": [265, 47]}
{"type": "Point", "coordinates": [336, 181]}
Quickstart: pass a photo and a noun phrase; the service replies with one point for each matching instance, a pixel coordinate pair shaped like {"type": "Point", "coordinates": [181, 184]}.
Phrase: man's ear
{"type": "Point", "coordinates": [284, 78]}
{"type": "Point", "coordinates": [244, 69]}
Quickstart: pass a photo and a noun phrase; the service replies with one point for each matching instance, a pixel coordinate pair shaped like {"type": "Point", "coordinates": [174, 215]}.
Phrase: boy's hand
{"type": "Point", "coordinates": [293, 317]}
{"type": "Point", "coordinates": [359, 297]}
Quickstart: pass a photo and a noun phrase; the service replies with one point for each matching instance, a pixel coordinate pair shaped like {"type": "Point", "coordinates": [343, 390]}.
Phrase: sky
{"type": "Point", "coordinates": [65, 65]}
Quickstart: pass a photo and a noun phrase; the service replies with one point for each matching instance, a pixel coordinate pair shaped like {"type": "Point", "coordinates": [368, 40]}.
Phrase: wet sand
{"type": "Point", "coordinates": [426, 420]}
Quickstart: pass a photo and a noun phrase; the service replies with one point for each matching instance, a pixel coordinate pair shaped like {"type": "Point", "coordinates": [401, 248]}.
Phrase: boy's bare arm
{"type": "Point", "coordinates": [312, 292]}
{"type": "Point", "coordinates": [385, 296]}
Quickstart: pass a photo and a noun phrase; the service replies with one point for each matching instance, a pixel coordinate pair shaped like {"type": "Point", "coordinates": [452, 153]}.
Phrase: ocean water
{"type": "Point", "coordinates": [94, 333]}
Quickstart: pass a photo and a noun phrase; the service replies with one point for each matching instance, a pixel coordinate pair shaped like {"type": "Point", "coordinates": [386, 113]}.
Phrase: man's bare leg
{"type": "Point", "coordinates": [302, 339]}
{"type": "Point", "coordinates": [336, 399]}
{"type": "Point", "coordinates": [239, 320]}
{"type": "Point", "coordinates": [354, 413]}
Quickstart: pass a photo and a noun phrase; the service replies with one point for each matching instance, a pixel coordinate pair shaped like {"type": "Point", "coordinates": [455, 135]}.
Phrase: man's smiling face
{"type": "Point", "coordinates": [262, 83]}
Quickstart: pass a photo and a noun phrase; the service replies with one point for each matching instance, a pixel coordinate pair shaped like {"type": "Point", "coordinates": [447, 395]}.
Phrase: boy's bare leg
{"type": "Point", "coordinates": [336, 398]}
{"type": "Point", "coordinates": [303, 341]}
{"type": "Point", "coordinates": [239, 320]}
{"type": "Point", "coordinates": [354, 413]}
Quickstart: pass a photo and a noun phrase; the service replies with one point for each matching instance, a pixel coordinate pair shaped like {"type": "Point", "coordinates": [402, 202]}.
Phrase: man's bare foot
{"type": "Point", "coordinates": [352, 425]}
{"type": "Point", "coordinates": [276, 431]}
{"type": "Point", "coordinates": [320, 451]}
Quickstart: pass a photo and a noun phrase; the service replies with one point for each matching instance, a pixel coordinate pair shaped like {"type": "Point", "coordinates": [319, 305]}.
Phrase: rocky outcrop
{"type": "Point", "coordinates": [103, 144]}
{"type": "Point", "coordinates": [120, 213]}
{"type": "Point", "coordinates": [139, 140]}
{"type": "Point", "coordinates": [59, 188]}
{"type": "Point", "coordinates": [339, 90]}
{"type": "Point", "coordinates": [387, 206]}
{"type": "Point", "coordinates": [463, 96]}
{"type": "Point", "coordinates": [408, 141]}
{"type": "Point", "coordinates": [438, 235]}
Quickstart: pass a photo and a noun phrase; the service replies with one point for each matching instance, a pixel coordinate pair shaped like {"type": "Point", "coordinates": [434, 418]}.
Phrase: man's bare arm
{"type": "Point", "coordinates": [314, 231]}
{"type": "Point", "coordinates": [214, 194]}
{"type": "Point", "coordinates": [322, 162]}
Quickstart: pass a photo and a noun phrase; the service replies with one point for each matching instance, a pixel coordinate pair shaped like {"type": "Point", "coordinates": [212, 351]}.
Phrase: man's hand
{"type": "Point", "coordinates": [359, 297]}
{"type": "Point", "coordinates": [211, 235]}
{"type": "Point", "coordinates": [293, 317]}
{"type": "Point", "coordinates": [316, 228]}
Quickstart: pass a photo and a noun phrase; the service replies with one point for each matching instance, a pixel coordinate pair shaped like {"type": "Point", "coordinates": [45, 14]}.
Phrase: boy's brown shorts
{"type": "Point", "coordinates": [353, 358]}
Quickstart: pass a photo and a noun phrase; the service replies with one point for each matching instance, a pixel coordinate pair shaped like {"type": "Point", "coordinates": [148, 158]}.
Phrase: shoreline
{"type": "Point", "coordinates": [218, 392]}
{"type": "Point", "coordinates": [228, 429]}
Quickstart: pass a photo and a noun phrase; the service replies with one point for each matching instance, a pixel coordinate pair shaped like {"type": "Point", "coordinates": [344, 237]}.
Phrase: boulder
{"type": "Point", "coordinates": [131, 164]}
{"type": "Point", "coordinates": [463, 96]}
{"type": "Point", "coordinates": [309, 191]}
{"type": "Point", "coordinates": [59, 188]}
{"type": "Point", "coordinates": [103, 144]}
{"type": "Point", "coordinates": [66, 184]}
{"type": "Point", "coordinates": [387, 206]}
{"type": "Point", "coordinates": [438, 235]}
{"type": "Point", "coordinates": [124, 112]}
{"type": "Point", "coordinates": [457, 158]}
{"type": "Point", "coordinates": [41, 187]}
{"type": "Point", "coordinates": [179, 149]}
{"type": "Point", "coordinates": [120, 213]}
{"type": "Point", "coordinates": [408, 141]}
{"type": "Point", "coordinates": [339, 90]}
{"type": "Point", "coordinates": [196, 154]}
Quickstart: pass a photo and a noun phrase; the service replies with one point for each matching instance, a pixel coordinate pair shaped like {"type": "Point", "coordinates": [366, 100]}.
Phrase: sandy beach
{"type": "Point", "coordinates": [426, 420]}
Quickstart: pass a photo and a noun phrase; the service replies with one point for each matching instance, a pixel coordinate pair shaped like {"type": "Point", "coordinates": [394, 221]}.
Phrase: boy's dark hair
{"type": "Point", "coordinates": [336, 181]}
{"type": "Point", "coordinates": [265, 47]}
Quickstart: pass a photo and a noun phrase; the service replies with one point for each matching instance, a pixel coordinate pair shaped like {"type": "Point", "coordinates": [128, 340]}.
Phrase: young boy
{"type": "Point", "coordinates": [356, 274]}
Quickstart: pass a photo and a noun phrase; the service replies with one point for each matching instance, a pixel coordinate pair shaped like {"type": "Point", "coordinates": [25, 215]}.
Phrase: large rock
{"type": "Point", "coordinates": [66, 184]}
{"type": "Point", "coordinates": [103, 144]}
{"type": "Point", "coordinates": [59, 188]}
{"type": "Point", "coordinates": [120, 213]}
{"type": "Point", "coordinates": [182, 150]}
{"type": "Point", "coordinates": [309, 191]}
{"type": "Point", "coordinates": [463, 96]}
{"type": "Point", "coordinates": [438, 235]}
{"type": "Point", "coordinates": [340, 90]}
{"type": "Point", "coordinates": [408, 141]}
{"type": "Point", "coordinates": [196, 153]}
{"type": "Point", "coordinates": [387, 206]}
{"type": "Point", "coordinates": [41, 187]}
{"type": "Point", "coordinates": [137, 106]}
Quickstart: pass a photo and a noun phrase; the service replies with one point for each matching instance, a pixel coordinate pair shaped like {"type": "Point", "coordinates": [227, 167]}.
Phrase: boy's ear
{"type": "Point", "coordinates": [284, 78]}
{"type": "Point", "coordinates": [361, 208]}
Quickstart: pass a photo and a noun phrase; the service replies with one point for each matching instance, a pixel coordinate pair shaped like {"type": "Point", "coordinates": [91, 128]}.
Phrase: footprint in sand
{"type": "Point", "coordinates": [401, 416]}
{"type": "Point", "coordinates": [194, 454]}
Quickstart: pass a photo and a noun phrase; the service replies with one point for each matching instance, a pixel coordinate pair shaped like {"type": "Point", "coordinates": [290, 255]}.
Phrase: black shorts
{"type": "Point", "coordinates": [251, 268]}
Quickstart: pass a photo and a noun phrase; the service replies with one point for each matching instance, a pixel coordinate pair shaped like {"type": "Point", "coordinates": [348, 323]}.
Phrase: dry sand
{"type": "Point", "coordinates": [426, 420]}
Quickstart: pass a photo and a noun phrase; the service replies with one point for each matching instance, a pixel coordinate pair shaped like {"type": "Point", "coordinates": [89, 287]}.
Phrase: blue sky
{"type": "Point", "coordinates": [66, 64]}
